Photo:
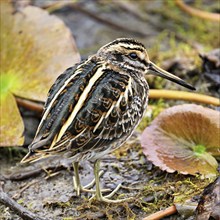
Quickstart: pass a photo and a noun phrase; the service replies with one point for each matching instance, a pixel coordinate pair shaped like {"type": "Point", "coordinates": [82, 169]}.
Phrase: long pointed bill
{"type": "Point", "coordinates": [162, 73]}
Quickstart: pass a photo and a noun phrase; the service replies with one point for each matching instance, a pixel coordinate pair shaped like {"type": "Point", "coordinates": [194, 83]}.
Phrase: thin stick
{"type": "Point", "coordinates": [20, 210]}
{"type": "Point", "coordinates": [33, 173]}
{"type": "Point", "coordinates": [30, 105]}
{"type": "Point", "coordinates": [197, 12]}
{"type": "Point", "coordinates": [187, 96]}
{"type": "Point", "coordinates": [106, 21]}
{"type": "Point", "coordinates": [54, 6]}
{"type": "Point", "coordinates": [24, 174]}
{"type": "Point", "coordinates": [163, 213]}
{"type": "Point", "coordinates": [18, 194]}
{"type": "Point", "coordinates": [57, 5]}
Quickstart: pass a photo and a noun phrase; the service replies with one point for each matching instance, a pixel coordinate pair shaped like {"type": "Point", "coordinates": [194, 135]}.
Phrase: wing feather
{"type": "Point", "coordinates": [109, 113]}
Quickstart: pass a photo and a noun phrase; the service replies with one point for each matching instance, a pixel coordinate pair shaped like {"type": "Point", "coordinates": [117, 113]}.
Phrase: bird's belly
{"type": "Point", "coordinates": [111, 138]}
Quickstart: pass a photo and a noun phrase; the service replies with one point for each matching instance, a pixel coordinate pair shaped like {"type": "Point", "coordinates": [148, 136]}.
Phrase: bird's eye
{"type": "Point", "coordinates": [133, 56]}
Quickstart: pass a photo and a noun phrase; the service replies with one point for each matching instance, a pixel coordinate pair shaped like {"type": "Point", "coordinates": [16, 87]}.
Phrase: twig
{"type": "Point", "coordinates": [36, 171]}
{"type": "Point", "coordinates": [130, 7]}
{"type": "Point", "coordinates": [180, 95]}
{"type": "Point", "coordinates": [163, 213]}
{"type": "Point", "coordinates": [18, 194]}
{"type": "Point", "coordinates": [197, 12]}
{"type": "Point", "coordinates": [24, 174]}
{"type": "Point", "coordinates": [30, 105]}
{"type": "Point", "coordinates": [54, 6]}
{"type": "Point", "coordinates": [106, 21]}
{"type": "Point", "coordinates": [20, 210]}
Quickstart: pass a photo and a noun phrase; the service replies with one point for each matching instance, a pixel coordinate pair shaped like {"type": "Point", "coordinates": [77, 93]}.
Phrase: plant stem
{"type": "Point", "coordinates": [31, 105]}
{"type": "Point", "coordinates": [187, 96]}
{"type": "Point", "coordinates": [197, 12]}
{"type": "Point", "coordinates": [158, 215]}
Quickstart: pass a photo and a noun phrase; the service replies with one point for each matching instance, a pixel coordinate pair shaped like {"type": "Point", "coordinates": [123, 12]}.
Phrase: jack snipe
{"type": "Point", "coordinates": [94, 106]}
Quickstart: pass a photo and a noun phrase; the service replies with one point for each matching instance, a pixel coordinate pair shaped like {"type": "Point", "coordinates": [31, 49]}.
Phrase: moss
{"type": "Point", "coordinates": [192, 28]}
{"type": "Point", "coordinates": [171, 188]}
{"type": "Point", "coordinates": [106, 211]}
{"type": "Point", "coordinates": [20, 201]}
{"type": "Point", "coordinates": [63, 204]}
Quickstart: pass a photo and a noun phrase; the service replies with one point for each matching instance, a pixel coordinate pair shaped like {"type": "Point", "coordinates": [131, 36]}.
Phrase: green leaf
{"type": "Point", "coordinates": [8, 82]}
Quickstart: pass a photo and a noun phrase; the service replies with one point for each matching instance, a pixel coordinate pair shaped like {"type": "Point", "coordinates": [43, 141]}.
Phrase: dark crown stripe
{"type": "Point", "coordinates": [127, 41]}
{"type": "Point", "coordinates": [133, 48]}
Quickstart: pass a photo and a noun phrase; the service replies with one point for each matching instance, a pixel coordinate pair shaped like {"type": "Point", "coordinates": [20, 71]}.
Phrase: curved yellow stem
{"type": "Point", "coordinates": [197, 12]}
{"type": "Point", "coordinates": [180, 95]}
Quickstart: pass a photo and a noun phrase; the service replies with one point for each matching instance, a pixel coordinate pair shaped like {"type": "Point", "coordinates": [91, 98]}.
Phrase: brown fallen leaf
{"type": "Point", "coordinates": [184, 138]}
{"type": "Point", "coordinates": [209, 205]}
{"type": "Point", "coordinates": [35, 48]}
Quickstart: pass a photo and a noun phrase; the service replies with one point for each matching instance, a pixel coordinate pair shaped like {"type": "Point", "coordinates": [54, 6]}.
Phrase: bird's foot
{"type": "Point", "coordinates": [104, 199]}
{"type": "Point", "coordinates": [79, 188]}
{"type": "Point", "coordinates": [107, 199]}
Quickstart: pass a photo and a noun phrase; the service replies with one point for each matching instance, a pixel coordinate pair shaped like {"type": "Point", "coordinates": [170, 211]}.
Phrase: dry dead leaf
{"type": "Point", "coordinates": [184, 138]}
{"type": "Point", "coordinates": [35, 48]}
{"type": "Point", "coordinates": [209, 204]}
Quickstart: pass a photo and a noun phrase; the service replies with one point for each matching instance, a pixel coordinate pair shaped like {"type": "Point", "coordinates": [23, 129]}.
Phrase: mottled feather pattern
{"type": "Point", "coordinates": [69, 93]}
{"type": "Point", "coordinates": [104, 94]}
{"type": "Point", "coordinates": [94, 106]}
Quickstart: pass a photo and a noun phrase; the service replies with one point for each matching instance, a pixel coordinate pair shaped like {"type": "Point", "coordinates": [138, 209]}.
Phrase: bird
{"type": "Point", "coordinates": [95, 106]}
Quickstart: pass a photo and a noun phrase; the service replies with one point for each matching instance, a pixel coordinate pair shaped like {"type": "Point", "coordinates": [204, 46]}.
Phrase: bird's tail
{"type": "Point", "coordinates": [31, 157]}
{"type": "Point", "coordinates": [37, 150]}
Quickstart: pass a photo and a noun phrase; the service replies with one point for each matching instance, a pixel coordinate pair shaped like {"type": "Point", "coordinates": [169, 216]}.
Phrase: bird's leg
{"type": "Point", "coordinates": [76, 181]}
{"type": "Point", "coordinates": [99, 195]}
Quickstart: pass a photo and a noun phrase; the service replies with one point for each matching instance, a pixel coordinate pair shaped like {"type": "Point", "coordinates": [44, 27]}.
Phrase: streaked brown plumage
{"type": "Point", "coordinates": [94, 106]}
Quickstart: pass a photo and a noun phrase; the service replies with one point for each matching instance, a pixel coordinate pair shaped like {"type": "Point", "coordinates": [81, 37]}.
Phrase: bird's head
{"type": "Point", "coordinates": [131, 55]}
